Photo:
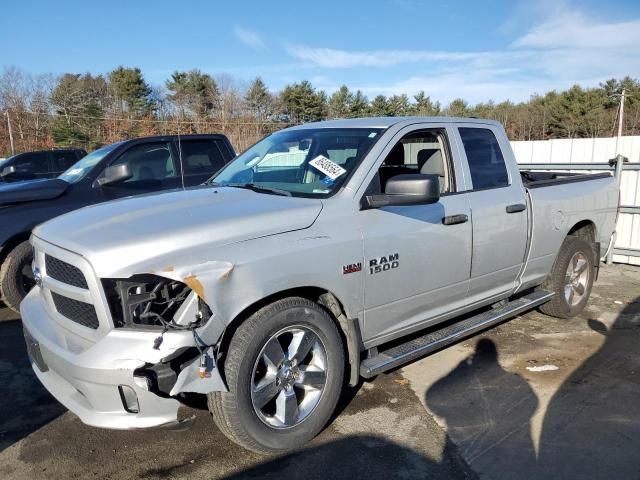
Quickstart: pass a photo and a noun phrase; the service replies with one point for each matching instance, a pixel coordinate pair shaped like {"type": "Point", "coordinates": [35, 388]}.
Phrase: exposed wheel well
{"type": "Point", "coordinates": [12, 243]}
{"type": "Point", "coordinates": [584, 229]}
{"type": "Point", "coordinates": [315, 294]}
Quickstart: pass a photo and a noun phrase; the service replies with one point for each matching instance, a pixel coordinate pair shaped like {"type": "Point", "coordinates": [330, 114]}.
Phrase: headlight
{"type": "Point", "coordinates": [151, 301]}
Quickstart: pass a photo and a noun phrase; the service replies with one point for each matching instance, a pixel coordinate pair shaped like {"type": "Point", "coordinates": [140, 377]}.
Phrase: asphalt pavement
{"type": "Point", "coordinates": [535, 397]}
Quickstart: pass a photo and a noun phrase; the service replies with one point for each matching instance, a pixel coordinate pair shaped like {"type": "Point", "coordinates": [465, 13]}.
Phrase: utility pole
{"type": "Point", "coordinates": [619, 163]}
{"type": "Point", "coordinates": [13, 152]}
{"type": "Point", "coordinates": [620, 120]}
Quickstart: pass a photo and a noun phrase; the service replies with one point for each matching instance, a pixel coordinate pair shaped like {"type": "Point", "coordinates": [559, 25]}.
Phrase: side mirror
{"type": "Point", "coordinates": [407, 189]}
{"type": "Point", "coordinates": [115, 174]}
{"type": "Point", "coordinates": [8, 171]}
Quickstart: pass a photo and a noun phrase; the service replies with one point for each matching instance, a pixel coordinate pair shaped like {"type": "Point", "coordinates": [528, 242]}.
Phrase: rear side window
{"type": "Point", "coordinates": [201, 157]}
{"type": "Point", "coordinates": [486, 162]}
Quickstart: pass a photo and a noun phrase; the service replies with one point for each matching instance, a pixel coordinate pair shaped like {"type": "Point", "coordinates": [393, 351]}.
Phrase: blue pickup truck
{"type": "Point", "coordinates": [123, 169]}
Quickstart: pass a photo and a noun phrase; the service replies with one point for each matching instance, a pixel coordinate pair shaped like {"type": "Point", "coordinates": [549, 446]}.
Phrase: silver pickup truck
{"type": "Point", "coordinates": [325, 253]}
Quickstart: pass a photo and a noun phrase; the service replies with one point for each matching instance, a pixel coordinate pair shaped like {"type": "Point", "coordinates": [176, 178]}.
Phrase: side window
{"type": "Point", "coordinates": [423, 152]}
{"type": "Point", "coordinates": [486, 162]}
{"type": "Point", "coordinates": [201, 157]}
{"type": "Point", "coordinates": [35, 162]}
{"type": "Point", "coordinates": [150, 161]}
{"type": "Point", "coordinates": [62, 160]}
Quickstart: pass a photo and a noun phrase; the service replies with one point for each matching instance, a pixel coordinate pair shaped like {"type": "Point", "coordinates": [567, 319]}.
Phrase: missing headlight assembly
{"type": "Point", "coordinates": [154, 301]}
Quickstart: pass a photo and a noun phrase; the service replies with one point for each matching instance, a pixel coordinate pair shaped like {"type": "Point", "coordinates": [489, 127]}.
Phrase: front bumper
{"type": "Point", "coordinates": [85, 376]}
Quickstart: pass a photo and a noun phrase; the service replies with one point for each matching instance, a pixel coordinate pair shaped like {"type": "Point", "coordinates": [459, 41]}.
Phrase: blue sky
{"type": "Point", "coordinates": [478, 50]}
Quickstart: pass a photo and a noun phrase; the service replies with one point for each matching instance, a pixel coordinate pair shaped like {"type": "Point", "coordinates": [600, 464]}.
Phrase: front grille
{"type": "Point", "coordinates": [65, 273]}
{"type": "Point", "coordinates": [79, 312]}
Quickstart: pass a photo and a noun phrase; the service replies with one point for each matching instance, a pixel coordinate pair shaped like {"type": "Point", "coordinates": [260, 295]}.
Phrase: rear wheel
{"type": "Point", "coordinates": [571, 279]}
{"type": "Point", "coordinates": [16, 276]}
{"type": "Point", "coordinates": [284, 370]}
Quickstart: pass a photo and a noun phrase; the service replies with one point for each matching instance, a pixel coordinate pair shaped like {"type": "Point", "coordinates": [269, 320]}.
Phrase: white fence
{"type": "Point", "coordinates": [598, 150]}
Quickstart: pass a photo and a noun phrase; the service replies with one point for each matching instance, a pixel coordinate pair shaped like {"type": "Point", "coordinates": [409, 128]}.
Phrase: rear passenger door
{"type": "Point", "coordinates": [498, 212]}
{"type": "Point", "coordinates": [153, 168]}
{"type": "Point", "coordinates": [200, 159]}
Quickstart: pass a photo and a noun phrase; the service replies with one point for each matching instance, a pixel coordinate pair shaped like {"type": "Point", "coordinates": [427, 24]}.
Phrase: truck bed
{"type": "Point", "coordinates": [577, 198]}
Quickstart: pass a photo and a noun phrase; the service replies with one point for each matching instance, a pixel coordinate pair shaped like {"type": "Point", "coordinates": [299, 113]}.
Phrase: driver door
{"type": "Point", "coordinates": [153, 169]}
{"type": "Point", "coordinates": [416, 266]}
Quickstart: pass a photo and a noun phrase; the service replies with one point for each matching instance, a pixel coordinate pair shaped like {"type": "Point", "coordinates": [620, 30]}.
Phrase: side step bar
{"type": "Point", "coordinates": [435, 340]}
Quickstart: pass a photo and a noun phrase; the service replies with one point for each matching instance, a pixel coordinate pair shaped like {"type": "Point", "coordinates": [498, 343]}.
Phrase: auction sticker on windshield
{"type": "Point", "coordinates": [328, 167]}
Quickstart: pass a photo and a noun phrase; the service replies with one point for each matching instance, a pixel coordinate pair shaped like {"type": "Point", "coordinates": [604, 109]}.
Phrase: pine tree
{"type": "Point", "coordinates": [359, 105]}
{"type": "Point", "coordinates": [423, 105]}
{"type": "Point", "coordinates": [303, 103]}
{"type": "Point", "coordinates": [379, 106]}
{"type": "Point", "coordinates": [259, 100]}
{"type": "Point", "coordinates": [131, 90]}
{"type": "Point", "coordinates": [398, 105]}
{"type": "Point", "coordinates": [193, 92]}
{"type": "Point", "coordinates": [340, 103]}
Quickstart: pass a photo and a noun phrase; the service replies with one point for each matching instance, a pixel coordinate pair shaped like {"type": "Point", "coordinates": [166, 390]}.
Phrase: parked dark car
{"type": "Point", "coordinates": [123, 169]}
{"type": "Point", "coordinates": [40, 164]}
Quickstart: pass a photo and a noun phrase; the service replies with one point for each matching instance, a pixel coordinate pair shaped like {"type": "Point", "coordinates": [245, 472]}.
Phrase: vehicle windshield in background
{"type": "Point", "coordinates": [307, 162]}
{"type": "Point", "coordinates": [79, 169]}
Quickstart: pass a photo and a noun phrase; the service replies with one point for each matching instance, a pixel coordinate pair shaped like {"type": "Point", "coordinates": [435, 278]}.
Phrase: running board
{"type": "Point", "coordinates": [435, 340]}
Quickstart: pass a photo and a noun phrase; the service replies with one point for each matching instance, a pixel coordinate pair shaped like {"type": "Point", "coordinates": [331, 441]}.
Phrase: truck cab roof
{"type": "Point", "coordinates": [386, 122]}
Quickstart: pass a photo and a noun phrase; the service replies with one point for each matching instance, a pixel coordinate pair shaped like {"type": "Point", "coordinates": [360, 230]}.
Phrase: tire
{"type": "Point", "coordinates": [277, 426]}
{"type": "Point", "coordinates": [572, 289]}
{"type": "Point", "coordinates": [14, 284]}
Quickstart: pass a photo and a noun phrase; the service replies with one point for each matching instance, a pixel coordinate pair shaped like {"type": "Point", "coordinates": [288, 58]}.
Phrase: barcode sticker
{"type": "Point", "coordinates": [328, 167]}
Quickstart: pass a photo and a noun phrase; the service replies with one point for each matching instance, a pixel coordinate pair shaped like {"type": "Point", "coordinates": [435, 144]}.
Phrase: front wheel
{"type": "Point", "coordinates": [285, 370]}
{"type": "Point", "coordinates": [16, 276]}
{"type": "Point", "coordinates": [570, 279]}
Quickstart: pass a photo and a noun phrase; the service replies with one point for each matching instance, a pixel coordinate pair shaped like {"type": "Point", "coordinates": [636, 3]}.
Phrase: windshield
{"type": "Point", "coordinates": [82, 167]}
{"type": "Point", "coordinates": [307, 162]}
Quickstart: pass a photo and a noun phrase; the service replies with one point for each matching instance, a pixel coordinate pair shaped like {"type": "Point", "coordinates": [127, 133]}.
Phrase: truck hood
{"type": "Point", "coordinates": [141, 234]}
{"type": "Point", "coordinates": [30, 190]}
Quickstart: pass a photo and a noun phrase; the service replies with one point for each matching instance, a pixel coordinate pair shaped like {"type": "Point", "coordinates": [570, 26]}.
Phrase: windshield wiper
{"type": "Point", "coordinates": [257, 188]}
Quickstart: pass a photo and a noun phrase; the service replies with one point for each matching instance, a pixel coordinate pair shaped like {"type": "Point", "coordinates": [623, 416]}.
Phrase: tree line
{"type": "Point", "coordinates": [85, 110]}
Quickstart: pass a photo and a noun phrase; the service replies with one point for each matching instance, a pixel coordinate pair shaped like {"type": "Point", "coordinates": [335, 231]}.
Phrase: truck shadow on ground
{"type": "Point", "coordinates": [352, 457]}
{"type": "Point", "coordinates": [591, 428]}
{"type": "Point", "coordinates": [25, 405]}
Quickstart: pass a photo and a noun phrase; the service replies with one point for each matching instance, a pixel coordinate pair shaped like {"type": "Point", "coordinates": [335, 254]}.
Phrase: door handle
{"type": "Point", "coordinates": [516, 207]}
{"type": "Point", "coordinates": [455, 219]}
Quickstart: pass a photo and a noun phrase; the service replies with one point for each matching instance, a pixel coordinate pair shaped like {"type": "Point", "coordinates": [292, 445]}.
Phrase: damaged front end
{"type": "Point", "coordinates": [154, 303]}
{"type": "Point", "coordinates": [119, 352]}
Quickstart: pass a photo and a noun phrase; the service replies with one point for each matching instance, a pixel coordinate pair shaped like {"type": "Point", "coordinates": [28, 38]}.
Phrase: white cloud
{"type": "Point", "coordinates": [333, 58]}
{"type": "Point", "coordinates": [472, 87]}
{"type": "Point", "coordinates": [561, 48]}
{"type": "Point", "coordinates": [249, 37]}
{"type": "Point", "coordinates": [575, 30]}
